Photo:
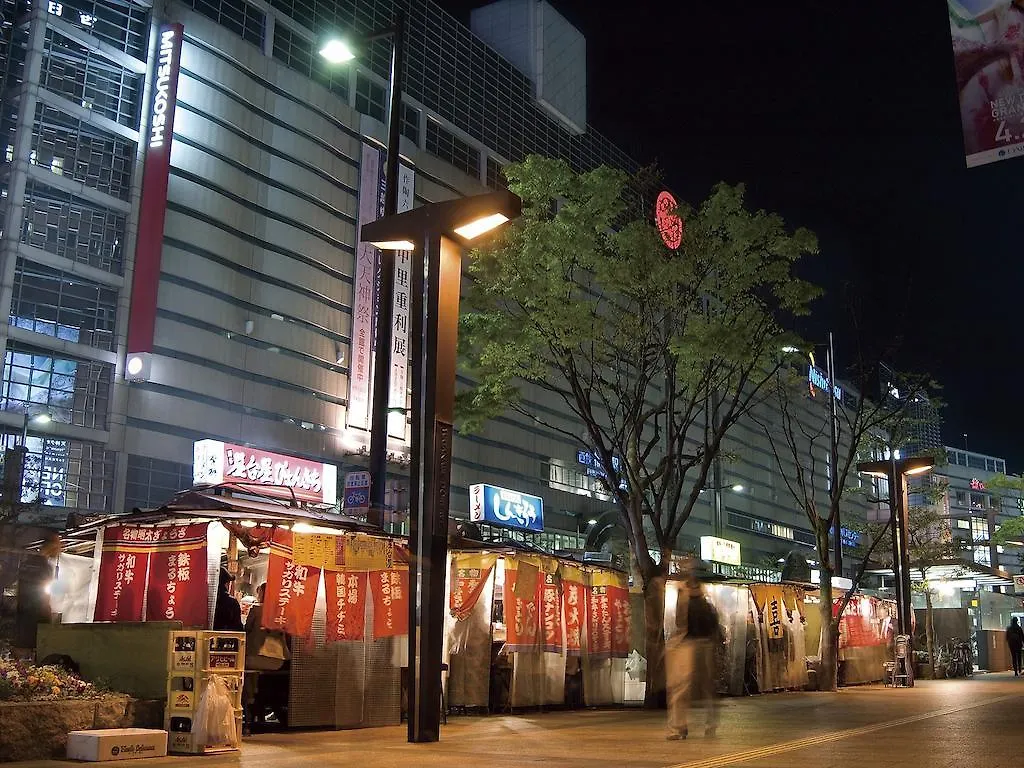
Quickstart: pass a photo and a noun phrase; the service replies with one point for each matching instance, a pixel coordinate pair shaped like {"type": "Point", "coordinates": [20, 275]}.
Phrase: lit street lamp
{"type": "Point", "coordinates": [435, 233]}
{"type": "Point", "coordinates": [14, 460]}
{"type": "Point", "coordinates": [895, 471]}
{"type": "Point", "coordinates": [338, 51]}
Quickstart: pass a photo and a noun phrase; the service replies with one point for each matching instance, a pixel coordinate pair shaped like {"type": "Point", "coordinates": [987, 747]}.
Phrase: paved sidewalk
{"type": "Point", "coordinates": [938, 724]}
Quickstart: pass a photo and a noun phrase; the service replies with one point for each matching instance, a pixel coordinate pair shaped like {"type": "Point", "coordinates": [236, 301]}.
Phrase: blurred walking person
{"type": "Point", "coordinates": [691, 667]}
{"type": "Point", "coordinates": [1015, 639]}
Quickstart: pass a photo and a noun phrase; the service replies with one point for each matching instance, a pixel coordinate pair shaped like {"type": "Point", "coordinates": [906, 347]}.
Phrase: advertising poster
{"type": "Point", "coordinates": [390, 591]}
{"type": "Point", "coordinates": [291, 590]}
{"type": "Point", "coordinates": [177, 588]}
{"type": "Point", "coordinates": [346, 605]}
{"type": "Point", "coordinates": [988, 54]}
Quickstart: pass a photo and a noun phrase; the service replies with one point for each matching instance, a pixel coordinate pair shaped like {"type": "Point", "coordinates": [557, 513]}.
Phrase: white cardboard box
{"type": "Point", "coordinates": [116, 744]}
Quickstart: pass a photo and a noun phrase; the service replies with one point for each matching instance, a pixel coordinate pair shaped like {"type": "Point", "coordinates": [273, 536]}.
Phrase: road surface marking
{"type": "Point", "coordinates": [810, 741]}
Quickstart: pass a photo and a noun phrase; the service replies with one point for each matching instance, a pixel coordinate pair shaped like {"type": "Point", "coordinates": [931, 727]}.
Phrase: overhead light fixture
{"type": "Point", "coordinates": [337, 52]}
{"type": "Point", "coordinates": [480, 226]}
{"type": "Point", "coordinates": [137, 366]}
{"type": "Point", "coordinates": [738, 488]}
{"type": "Point", "coordinates": [592, 521]}
{"type": "Point", "coordinates": [394, 245]}
{"type": "Point", "coordinates": [41, 418]}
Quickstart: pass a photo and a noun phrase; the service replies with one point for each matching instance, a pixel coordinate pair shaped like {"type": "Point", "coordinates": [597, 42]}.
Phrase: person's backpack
{"type": "Point", "coordinates": [701, 618]}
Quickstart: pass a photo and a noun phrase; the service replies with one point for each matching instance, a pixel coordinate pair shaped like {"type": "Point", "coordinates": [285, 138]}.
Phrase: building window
{"type": "Point", "coordinates": [450, 148]}
{"type": "Point", "coordinates": [411, 123]}
{"type": "Point", "coordinates": [495, 174]}
{"type": "Point", "coordinates": [66, 473]}
{"type": "Point", "coordinates": [979, 529]}
{"type": "Point", "coordinates": [962, 523]}
{"type": "Point", "coordinates": [975, 462]}
{"type": "Point", "coordinates": [296, 52]}
{"type": "Point", "coordinates": [69, 390]}
{"type": "Point", "coordinates": [978, 501]}
{"type": "Point", "coordinates": [371, 98]}
{"type": "Point", "coordinates": [960, 498]}
{"type": "Point", "coordinates": [982, 556]}
{"type": "Point", "coordinates": [236, 15]}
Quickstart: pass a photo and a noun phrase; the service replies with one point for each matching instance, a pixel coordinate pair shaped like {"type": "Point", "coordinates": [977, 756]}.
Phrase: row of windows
{"type": "Point", "coordinates": [65, 473]}
{"type": "Point", "coordinates": [975, 461]}
{"type": "Point", "coordinates": [122, 25]}
{"type": "Point", "coordinates": [236, 15]}
{"type": "Point", "coordinates": [453, 150]}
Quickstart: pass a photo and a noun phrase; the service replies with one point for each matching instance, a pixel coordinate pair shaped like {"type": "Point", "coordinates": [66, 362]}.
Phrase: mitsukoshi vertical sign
{"type": "Point", "coordinates": [364, 299]}
{"type": "Point", "coordinates": [153, 205]}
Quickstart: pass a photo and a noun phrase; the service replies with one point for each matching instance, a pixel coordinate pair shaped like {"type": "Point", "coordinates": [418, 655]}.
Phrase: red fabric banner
{"type": "Point", "coordinates": [177, 576]}
{"type": "Point", "coordinates": [390, 590]}
{"type": "Point", "coordinates": [522, 617]}
{"type": "Point", "coordinates": [599, 622]}
{"type": "Point", "coordinates": [574, 603]}
{"type": "Point", "coordinates": [618, 598]}
{"type": "Point", "coordinates": [124, 561]}
{"type": "Point", "coordinates": [346, 605]}
{"type": "Point", "coordinates": [551, 614]}
{"type": "Point", "coordinates": [468, 579]}
{"type": "Point", "coordinates": [291, 590]}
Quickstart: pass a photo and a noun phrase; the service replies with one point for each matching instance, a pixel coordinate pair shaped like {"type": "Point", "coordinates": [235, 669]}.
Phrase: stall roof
{"type": "Point", "coordinates": [956, 570]}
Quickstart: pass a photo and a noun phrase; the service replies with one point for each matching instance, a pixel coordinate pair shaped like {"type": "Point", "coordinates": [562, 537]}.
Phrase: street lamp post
{"type": "Point", "coordinates": [895, 471]}
{"type": "Point", "coordinates": [434, 233]}
{"type": "Point", "coordinates": [14, 460]}
{"type": "Point", "coordinates": [338, 51]}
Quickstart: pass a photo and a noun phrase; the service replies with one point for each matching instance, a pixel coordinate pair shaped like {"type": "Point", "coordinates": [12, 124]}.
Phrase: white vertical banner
{"type": "Point", "coordinates": [364, 294]}
{"type": "Point", "coordinates": [400, 315]}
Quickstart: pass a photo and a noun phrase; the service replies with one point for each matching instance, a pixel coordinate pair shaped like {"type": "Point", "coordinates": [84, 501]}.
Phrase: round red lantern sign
{"type": "Point", "coordinates": [670, 225]}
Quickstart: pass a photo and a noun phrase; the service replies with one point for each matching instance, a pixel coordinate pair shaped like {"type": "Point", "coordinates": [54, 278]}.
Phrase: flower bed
{"type": "Point", "coordinates": [22, 681]}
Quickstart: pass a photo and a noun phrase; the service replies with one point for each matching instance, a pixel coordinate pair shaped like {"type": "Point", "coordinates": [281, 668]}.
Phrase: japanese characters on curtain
{"type": "Point", "coordinates": [608, 616]}
{"type": "Point", "coordinates": [574, 605]}
{"type": "Point", "coordinates": [346, 604]}
{"type": "Point", "coordinates": [390, 590]}
{"type": "Point", "coordinates": [622, 618]}
{"type": "Point", "coordinates": [291, 589]}
{"type": "Point", "coordinates": [124, 563]}
{"type": "Point", "coordinates": [469, 575]}
{"type": "Point", "coordinates": [177, 576]}
{"type": "Point", "coordinates": [522, 614]}
{"type": "Point", "coordinates": [551, 613]}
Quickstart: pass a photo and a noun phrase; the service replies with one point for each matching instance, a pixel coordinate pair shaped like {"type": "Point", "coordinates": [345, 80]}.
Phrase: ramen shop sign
{"type": "Point", "coordinates": [214, 461]}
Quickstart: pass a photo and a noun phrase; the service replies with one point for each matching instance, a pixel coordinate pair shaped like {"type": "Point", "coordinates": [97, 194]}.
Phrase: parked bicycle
{"type": "Point", "coordinates": [957, 658]}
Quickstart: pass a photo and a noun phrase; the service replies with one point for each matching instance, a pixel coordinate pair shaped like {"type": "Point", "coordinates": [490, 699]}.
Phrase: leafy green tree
{"type": "Point", "coordinates": [654, 354]}
{"type": "Point", "coordinates": [1002, 486]}
{"type": "Point", "coordinates": [817, 448]}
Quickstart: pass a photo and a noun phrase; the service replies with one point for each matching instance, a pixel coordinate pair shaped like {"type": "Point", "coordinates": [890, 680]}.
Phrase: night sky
{"type": "Point", "coordinates": [842, 118]}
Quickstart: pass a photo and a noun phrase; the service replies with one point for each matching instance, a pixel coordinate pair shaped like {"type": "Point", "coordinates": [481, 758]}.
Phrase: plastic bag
{"type": "Point", "coordinates": [214, 723]}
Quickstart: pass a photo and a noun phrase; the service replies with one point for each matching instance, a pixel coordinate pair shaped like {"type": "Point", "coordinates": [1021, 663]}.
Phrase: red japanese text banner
{"type": "Point", "coordinates": [522, 616]}
{"type": "Point", "coordinates": [470, 573]}
{"type": "Point", "coordinates": [390, 590]}
{"type": "Point", "coordinates": [622, 618]}
{"type": "Point", "coordinates": [608, 618]}
{"type": "Point", "coordinates": [177, 588]}
{"type": "Point", "coordinates": [551, 613]}
{"type": "Point", "coordinates": [346, 604]}
{"type": "Point", "coordinates": [291, 590]}
{"type": "Point", "coordinates": [574, 606]}
{"type": "Point", "coordinates": [124, 562]}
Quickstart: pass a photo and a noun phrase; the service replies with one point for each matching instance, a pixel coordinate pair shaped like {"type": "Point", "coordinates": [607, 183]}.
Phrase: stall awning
{"type": "Point", "coordinates": [956, 570]}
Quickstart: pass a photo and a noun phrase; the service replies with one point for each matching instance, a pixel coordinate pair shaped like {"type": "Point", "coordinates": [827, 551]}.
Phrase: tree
{"type": "Point", "coordinates": [1001, 486]}
{"type": "Point", "coordinates": [818, 465]}
{"type": "Point", "coordinates": [929, 543]}
{"type": "Point", "coordinates": [653, 354]}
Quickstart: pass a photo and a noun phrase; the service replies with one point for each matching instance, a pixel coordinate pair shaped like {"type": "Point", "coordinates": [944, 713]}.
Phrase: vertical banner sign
{"type": "Point", "coordinates": [618, 598]}
{"type": "Point", "coordinates": [153, 205]}
{"type": "Point", "coordinates": [470, 573]}
{"type": "Point", "coordinates": [574, 603]}
{"type": "Point", "coordinates": [522, 618]}
{"type": "Point", "coordinates": [773, 616]}
{"type": "Point", "coordinates": [551, 614]}
{"type": "Point", "coordinates": [357, 493]}
{"type": "Point", "coordinates": [346, 605]}
{"type": "Point", "coordinates": [291, 590]}
{"type": "Point", "coordinates": [599, 624]}
{"type": "Point", "coordinates": [390, 590]}
{"type": "Point", "coordinates": [987, 38]}
{"type": "Point", "coordinates": [124, 561]}
{"type": "Point", "coordinates": [400, 315]}
{"type": "Point", "coordinates": [177, 588]}
{"type": "Point", "coordinates": [364, 294]}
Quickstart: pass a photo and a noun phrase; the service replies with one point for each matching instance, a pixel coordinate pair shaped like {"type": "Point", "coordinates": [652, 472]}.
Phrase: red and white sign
{"type": "Point", "coordinates": [469, 576]}
{"type": "Point", "coordinates": [291, 590]}
{"type": "Point", "coordinates": [574, 603]}
{"type": "Point", "coordinates": [346, 605]}
{"type": "Point", "coordinates": [214, 462]}
{"type": "Point", "coordinates": [390, 591]}
{"type": "Point", "coordinates": [599, 624]}
{"type": "Point", "coordinates": [124, 562]}
{"type": "Point", "coordinates": [177, 588]}
{"type": "Point", "coordinates": [622, 619]}
{"type": "Point", "coordinates": [551, 614]}
{"type": "Point", "coordinates": [400, 315]}
{"type": "Point", "coordinates": [669, 223]}
{"type": "Point", "coordinates": [522, 616]}
{"type": "Point", "coordinates": [153, 204]}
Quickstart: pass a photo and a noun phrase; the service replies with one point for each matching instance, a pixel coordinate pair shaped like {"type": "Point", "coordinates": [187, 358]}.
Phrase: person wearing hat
{"type": "Point", "coordinates": [690, 668]}
{"type": "Point", "coordinates": [227, 613]}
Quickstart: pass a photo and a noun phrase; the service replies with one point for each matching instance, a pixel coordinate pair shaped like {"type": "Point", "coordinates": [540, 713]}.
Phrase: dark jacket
{"type": "Point", "coordinates": [1015, 636]}
{"type": "Point", "coordinates": [227, 614]}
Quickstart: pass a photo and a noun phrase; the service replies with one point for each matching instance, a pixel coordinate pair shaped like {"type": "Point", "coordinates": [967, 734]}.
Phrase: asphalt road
{"type": "Point", "coordinates": [938, 724]}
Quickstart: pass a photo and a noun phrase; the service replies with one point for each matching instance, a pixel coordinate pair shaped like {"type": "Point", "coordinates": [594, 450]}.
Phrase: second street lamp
{"type": "Point", "coordinates": [337, 51]}
{"type": "Point", "coordinates": [435, 233]}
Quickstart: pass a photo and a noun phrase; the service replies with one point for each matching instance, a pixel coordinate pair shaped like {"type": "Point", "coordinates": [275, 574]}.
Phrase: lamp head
{"type": "Point", "coordinates": [337, 51]}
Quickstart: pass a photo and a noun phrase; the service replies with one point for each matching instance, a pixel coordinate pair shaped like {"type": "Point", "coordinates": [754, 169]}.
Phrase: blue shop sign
{"type": "Point", "coordinates": [500, 506]}
{"type": "Point", "coordinates": [594, 468]}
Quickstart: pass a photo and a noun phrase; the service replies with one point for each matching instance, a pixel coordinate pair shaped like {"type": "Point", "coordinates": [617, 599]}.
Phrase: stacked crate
{"type": "Point", "coordinates": [193, 658]}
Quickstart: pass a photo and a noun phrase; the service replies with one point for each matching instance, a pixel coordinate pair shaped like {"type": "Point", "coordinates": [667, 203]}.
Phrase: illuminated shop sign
{"type": "Point", "coordinates": [594, 468]}
{"type": "Point", "coordinates": [716, 550]}
{"type": "Point", "coordinates": [214, 461]}
{"type": "Point", "coordinates": [500, 506]}
{"type": "Point", "coordinates": [819, 379]}
{"type": "Point", "coordinates": [166, 82]}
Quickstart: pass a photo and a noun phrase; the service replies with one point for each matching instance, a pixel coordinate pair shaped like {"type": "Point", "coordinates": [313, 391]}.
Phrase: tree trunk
{"type": "Point", "coordinates": [829, 675]}
{"type": "Point", "coordinates": [654, 637]}
{"type": "Point", "coordinates": [929, 629]}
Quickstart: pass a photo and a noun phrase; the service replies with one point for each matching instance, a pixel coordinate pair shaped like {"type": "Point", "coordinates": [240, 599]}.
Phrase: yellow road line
{"type": "Point", "coordinates": [810, 741]}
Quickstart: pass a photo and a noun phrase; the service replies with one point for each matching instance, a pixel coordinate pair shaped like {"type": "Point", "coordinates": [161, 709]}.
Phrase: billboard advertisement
{"type": "Point", "coordinates": [214, 461]}
{"type": "Point", "coordinates": [988, 52]}
{"type": "Point", "coordinates": [510, 509]}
